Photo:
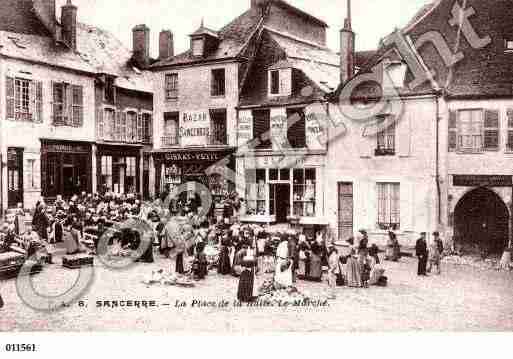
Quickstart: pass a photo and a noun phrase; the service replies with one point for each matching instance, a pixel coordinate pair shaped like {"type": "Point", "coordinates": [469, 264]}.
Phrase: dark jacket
{"type": "Point", "coordinates": [421, 248]}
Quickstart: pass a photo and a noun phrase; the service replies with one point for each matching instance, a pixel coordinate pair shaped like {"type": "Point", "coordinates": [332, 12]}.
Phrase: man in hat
{"type": "Point", "coordinates": [421, 252]}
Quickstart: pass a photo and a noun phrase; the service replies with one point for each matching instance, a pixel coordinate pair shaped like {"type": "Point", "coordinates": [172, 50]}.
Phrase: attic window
{"type": "Point", "coordinates": [508, 45]}
{"type": "Point", "coordinates": [197, 47]}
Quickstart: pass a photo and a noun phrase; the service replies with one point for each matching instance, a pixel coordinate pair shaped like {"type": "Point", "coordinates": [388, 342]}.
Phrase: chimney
{"type": "Point", "coordinates": [69, 24]}
{"type": "Point", "coordinates": [166, 44]}
{"type": "Point", "coordinates": [141, 45]}
{"type": "Point", "coordinates": [347, 44]}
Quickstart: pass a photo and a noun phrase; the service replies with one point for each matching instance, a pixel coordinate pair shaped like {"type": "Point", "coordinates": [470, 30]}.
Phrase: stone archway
{"type": "Point", "coordinates": [481, 222]}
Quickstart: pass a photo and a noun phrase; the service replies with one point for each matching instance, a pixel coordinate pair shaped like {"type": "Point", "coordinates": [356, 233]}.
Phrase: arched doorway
{"type": "Point", "coordinates": [481, 221]}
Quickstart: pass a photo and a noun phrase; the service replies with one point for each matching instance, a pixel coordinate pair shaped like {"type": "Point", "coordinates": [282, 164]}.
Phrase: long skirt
{"type": "Point", "coordinates": [315, 272]}
{"type": "Point", "coordinates": [389, 253]}
{"type": "Point", "coordinates": [246, 284]}
{"type": "Point", "coordinates": [224, 266]}
{"type": "Point", "coordinates": [179, 264]}
{"type": "Point", "coordinates": [303, 269]}
{"type": "Point", "coordinates": [283, 278]}
{"type": "Point", "coordinates": [353, 273]}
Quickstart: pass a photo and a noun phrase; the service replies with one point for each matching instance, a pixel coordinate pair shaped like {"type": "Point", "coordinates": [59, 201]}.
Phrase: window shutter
{"type": "Point", "coordinates": [32, 100]}
{"type": "Point", "coordinates": [286, 82]}
{"type": "Point", "coordinates": [39, 102]}
{"type": "Point", "coordinates": [9, 93]}
{"type": "Point", "coordinates": [124, 127]}
{"type": "Point", "coordinates": [117, 126]}
{"type": "Point", "coordinates": [69, 105]}
{"type": "Point", "coordinates": [453, 131]}
{"type": "Point", "coordinates": [404, 135]}
{"type": "Point", "coordinates": [101, 126]}
{"type": "Point", "coordinates": [262, 128]}
{"type": "Point", "coordinates": [78, 105]}
{"type": "Point", "coordinates": [54, 104]}
{"type": "Point", "coordinates": [139, 127]}
{"type": "Point", "coordinates": [296, 132]}
{"type": "Point", "coordinates": [150, 127]}
{"type": "Point", "coordinates": [491, 130]}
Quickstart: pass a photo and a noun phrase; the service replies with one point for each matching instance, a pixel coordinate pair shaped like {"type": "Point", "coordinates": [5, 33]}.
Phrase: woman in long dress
{"type": "Point", "coordinates": [315, 272]}
{"type": "Point", "coordinates": [389, 252]}
{"type": "Point", "coordinates": [224, 266]}
{"type": "Point", "coordinates": [353, 275]}
{"type": "Point", "coordinates": [247, 276]}
{"type": "Point", "coordinates": [304, 254]}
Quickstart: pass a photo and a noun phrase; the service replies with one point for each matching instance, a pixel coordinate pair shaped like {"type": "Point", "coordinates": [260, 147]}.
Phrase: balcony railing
{"type": "Point", "coordinates": [119, 137]}
{"type": "Point", "coordinates": [170, 141]}
{"type": "Point", "coordinates": [214, 140]}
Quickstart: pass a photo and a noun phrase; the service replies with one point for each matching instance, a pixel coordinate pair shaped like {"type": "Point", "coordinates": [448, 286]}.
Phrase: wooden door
{"type": "Point", "coordinates": [345, 211]}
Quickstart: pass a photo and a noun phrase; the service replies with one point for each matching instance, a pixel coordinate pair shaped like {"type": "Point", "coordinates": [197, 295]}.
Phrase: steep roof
{"type": "Point", "coordinates": [233, 38]}
{"type": "Point", "coordinates": [300, 12]}
{"type": "Point", "coordinates": [17, 16]}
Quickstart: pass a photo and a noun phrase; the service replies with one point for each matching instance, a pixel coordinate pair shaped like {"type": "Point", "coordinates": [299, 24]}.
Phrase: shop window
{"type": "Point", "coordinates": [296, 132]}
{"type": "Point", "coordinates": [24, 99]}
{"type": "Point", "coordinates": [385, 137]}
{"type": "Point", "coordinates": [389, 206]}
{"type": "Point", "coordinates": [262, 129]}
{"type": "Point", "coordinates": [256, 192]}
{"type": "Point", "coordinates": [171, 86]}
{"type": "Point", "coordinates": [218, 127]}
{"type": "Point", "coordinates": [218, 85]}
{"type": "Point", "coordinates": [106, 173]}
{"type": "Point", "coordinates": [304, 194]}
{"type": "Point", "coordinates": [131, 175]}
{"type": "Point", "coordinates": [171, 125]}
{"type": "Point", "coordinates": [509, 146]}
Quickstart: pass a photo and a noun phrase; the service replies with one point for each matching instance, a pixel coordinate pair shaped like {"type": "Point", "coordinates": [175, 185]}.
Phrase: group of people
{"type": "Point", "coordinates": [429, 256]}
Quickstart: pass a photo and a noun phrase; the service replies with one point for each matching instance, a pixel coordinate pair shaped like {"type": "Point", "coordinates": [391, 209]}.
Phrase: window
{"type": "Point", "coordinates": [218, 127]}
{"type": "Point", "coordinates": [262, 129]}
{"type": "Point", "coordinates": [147, 128]}
{"type": "Point", "coordinates": [296, 132]}
{"type": "Point", "coordinates": [171, 86]}
{"type": "Point", "coordinates": [171, 123]}
{"type": "Point", "coordinates": [218, 86]}
{"type": "Point", "coordinates": [256, 192]}
{"type": "Point", "coordinates": [109, 90]}
{"type": "Point", "coordinates": [304, 192]}
{"type": "Point", "coordinates": [389, 206]}
{"type": "Point", "coordinates": [131, 173]}
{"type": "Point", "coordinates": [197, 47]}
{"type": "Point", "coordinates": [67, 104]}
{"type": "Point", "coordinates": [470, 131]}
{"type": "Point", "coordinates": [275, 82]}
{"type": "Point", "coordinates": [106, 173]}
{"type": "Point", "coordinates": [491, 130]}
{"type": "Point", "coordinates": [508, 45]}
{"type": "Point", "coordinates": [24, 99]}
{"type": "Point", "coordinates": [108, 124]}
{"type": "Point", "coordinates": [453, 131]}
{"type": "Point", "coordinates": [131, 126]}
{"type": "Point", "coordinates": [385, 138]}
{"type": "Point", "coordinates": [509, 145]}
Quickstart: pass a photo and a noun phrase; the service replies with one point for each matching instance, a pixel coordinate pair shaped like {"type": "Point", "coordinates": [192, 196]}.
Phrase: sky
{"type": "Point", "coordinates": [372, 19]}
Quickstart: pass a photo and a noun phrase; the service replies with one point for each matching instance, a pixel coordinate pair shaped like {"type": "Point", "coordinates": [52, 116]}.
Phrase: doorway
{"type": "Point", "coordinates": [345, 211]}
{"type": "Point", "coordinates": [481, 222]}
{"type": "Point", "coordinates": [14, 177]}
{"type": "Point", "coordinates": [280, 201]}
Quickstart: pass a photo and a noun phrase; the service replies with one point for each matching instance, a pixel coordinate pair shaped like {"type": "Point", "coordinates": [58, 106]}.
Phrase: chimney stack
{"type": "Point", "coordinates": [258, 3]}
{"type": "Point", "coordinates": [69, 24]}
{"type": "Point", "coordinates": [141, 45]}
{"type": "Point", "coordinates": [166, 44]}
{"type": "Point", "coordinates": [347, 44]}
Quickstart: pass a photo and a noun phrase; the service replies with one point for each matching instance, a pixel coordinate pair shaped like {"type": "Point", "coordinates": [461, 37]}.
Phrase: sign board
{"type": "Point", "coordinates": [482, 181]}
{"type": "Point", "coordinates": [65, 148]}
{"type": "Point", "coordinates": [193, 156]}
{"type": "Point", "coordinates": [195, 128]}
{"type": "Point", "coordinates": [244, 128]}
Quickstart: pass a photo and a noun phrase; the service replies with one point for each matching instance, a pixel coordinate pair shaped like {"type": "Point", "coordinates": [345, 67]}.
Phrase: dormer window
{"type": "Point", "coordinates": [508, 45]}
{"type": "Point", "coordinates": [280, 82]}
{"type": "Point", "coordinates": [198, 46]}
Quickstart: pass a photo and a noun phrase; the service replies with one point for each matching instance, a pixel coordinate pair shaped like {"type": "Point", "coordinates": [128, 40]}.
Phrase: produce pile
{"type": "Point", "coordinates": [276, 294]}
{"type": "Point", "coordinates": [171, 279]}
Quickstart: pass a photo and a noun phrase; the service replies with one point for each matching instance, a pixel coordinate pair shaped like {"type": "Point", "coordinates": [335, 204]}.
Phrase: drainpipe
{"type": "Point", "coordinates": [437, 165]}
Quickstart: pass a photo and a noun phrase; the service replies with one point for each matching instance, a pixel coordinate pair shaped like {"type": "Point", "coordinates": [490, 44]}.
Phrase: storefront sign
{"type": "Point", "coordinates": [195, 128]}
{"type": "Point", "coordinates": [278, 129]}
{"type": "Point", "coordinates": [482, 180]}
{"type": "Point", "coordinates": [245, 128]}
{"type": "Point", "coordinates": [193, 157]}
{"type": "Point", "coordinates": [65, 148]}
{"type": "Point", "coordinates": [315, 134]}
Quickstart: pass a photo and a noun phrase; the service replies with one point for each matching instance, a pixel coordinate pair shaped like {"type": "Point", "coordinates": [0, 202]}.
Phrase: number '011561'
{"type": "Point", "coordinates": [20, 347]}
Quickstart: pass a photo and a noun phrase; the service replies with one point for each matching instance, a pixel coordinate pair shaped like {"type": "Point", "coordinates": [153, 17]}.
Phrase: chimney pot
{"type": "Point", "coordinates": [69, 24]}
{"type": "Point", "coordinates": [141, 44]}
{"type": "Point", "coordinates": [166, 44]}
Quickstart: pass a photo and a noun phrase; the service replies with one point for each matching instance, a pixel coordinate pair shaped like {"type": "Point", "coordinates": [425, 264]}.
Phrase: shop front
{"type": "Point", "coordinates": [175, 168]}
{"type": "Point", "coordinates": [283, 191]}
{"type": "Point", "coordinates": [66, 168]}
{"type": "Point", "coordinates": [118, 169]}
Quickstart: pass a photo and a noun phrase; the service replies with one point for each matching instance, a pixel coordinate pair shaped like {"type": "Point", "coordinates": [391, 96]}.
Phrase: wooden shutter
{"type": "Point", "coordinates": [140, 127]}
{"type": "Point", "coordinates": [404, 136]}
{"type": "Point", "coordinates": [117, 125]}
{"type": "Point", "coordinates": [78, 106]}
{"type": "Point", "coordinates": [100, 123]}
{"type": "Point", "coordinates": [296, 132]}
{"type": "Point", "coordinates": [32, 101]}
{"type": "Point", "coordinates": [69, 104]}
{"type": "Point", "coordinates": [39, 102]}
{"type": "Point", "coordinates": [9, 93]}
{"type": "Point", "coordinates": [262, 128]}
{"type": "Point", "coordinates": [453, 131]}
{"type": "Point", "coordinates": [491, 130]}
{"type": "Point", "coordinates": [54, 104]}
